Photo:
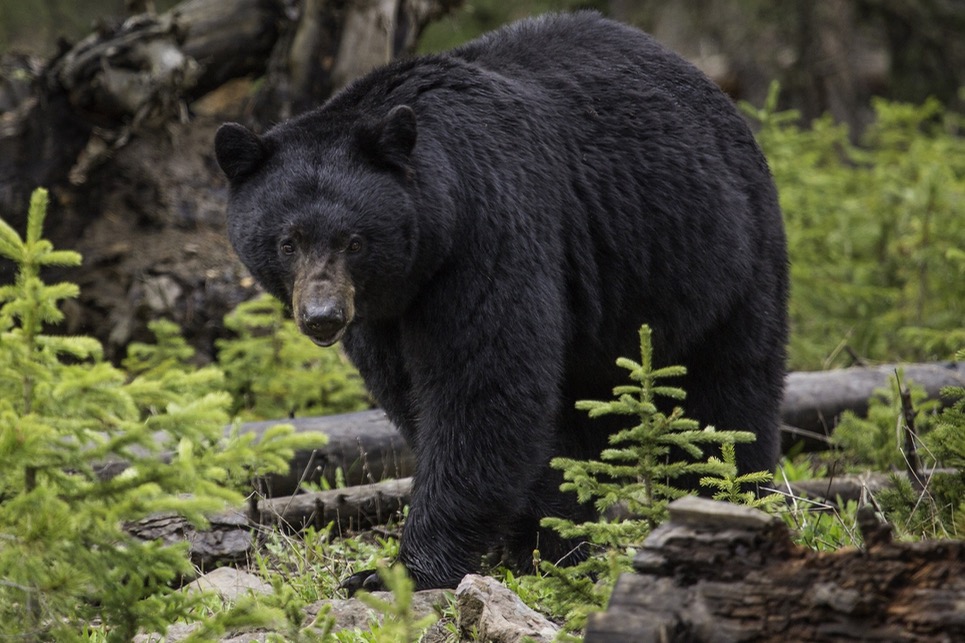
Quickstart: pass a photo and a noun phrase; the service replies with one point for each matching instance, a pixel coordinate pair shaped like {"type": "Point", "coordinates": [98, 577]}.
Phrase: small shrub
{"type": "Point", "coordinates": [65, 560]}
{"type": "Point", "coordinates": [638, 471]}
{"type": "Point", "coordinates": [273, 371]}
{"type": "Point", "coordinates": [875, 231]}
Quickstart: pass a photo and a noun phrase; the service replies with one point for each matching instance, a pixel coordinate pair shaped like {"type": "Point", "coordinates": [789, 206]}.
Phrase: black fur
{"type": "Point", "coordinates": [560, 182]}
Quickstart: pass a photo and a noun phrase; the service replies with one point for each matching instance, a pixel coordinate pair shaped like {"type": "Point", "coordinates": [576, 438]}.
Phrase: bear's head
{"type": "Point", "coordinates": [322, 211]}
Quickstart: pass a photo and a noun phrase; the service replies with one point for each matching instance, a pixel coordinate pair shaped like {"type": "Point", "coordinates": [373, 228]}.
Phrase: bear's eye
{"type": "Point", "coordinates": [288, 247]}
{"type": "Point", "coordinates": [354, 245]}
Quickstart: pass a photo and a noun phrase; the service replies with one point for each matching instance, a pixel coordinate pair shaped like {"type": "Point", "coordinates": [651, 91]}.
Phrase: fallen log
{"type": "Point", "coordinates": [362, 448]}
{"type": "Point", "coordinates": [233, 535]}
{"type": "Point", "coordinates": [349, 509]}
{"type": "Point", "coordinates": [813, 401]}
{"type": "Point", "coordinates": [720, 572]}
{"type": "Point", "coordinates": [365, 447]}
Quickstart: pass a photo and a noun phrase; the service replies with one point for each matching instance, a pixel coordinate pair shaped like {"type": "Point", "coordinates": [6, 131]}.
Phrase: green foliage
{"type": "Point", "coordinates": [314, 562]}
{"type": "Point", "coordinates": [795, 467]}
{"type": "Point", "coordinates": [936, 510]}
{"type": "Point", "coordinates": [739, 489]}
{"type": "Point", "coordinates": [939, 510]}
{"type": "Point", "coordinates": [878, 439]}
{"type": "Point", "coordinates": [474, 18]}
{"type": "Point", "coordinates": [821, 526]}
{"type": "Point", "coordinates": [65, 560]}
{"type": "Point", "coordinates": [918, 513]}
{"type": "Point", "coordinates": [947, 440]}
{"type": "Point", "coordinates": [875, 231]}
{"type": "Point", "coordinates": [638, 471]}
{"type": "Point", "coordinates": [273, 370]}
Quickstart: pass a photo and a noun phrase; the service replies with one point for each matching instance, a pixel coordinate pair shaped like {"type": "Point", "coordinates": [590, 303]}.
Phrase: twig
{"type": "Point", "coordinates": [912, 461]}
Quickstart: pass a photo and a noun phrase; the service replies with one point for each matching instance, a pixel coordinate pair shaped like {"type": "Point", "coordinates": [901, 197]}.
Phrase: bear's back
{"type": "Point", "coordinates": [585, 52]}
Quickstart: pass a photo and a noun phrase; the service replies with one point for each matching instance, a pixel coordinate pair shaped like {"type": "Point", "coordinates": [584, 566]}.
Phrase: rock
{"type": "Point", "coordinates": [497, 614]}
{"type": "Point", "coordinates": [230, 584]}
{"type": "Point", "coordinates": [351, 613]}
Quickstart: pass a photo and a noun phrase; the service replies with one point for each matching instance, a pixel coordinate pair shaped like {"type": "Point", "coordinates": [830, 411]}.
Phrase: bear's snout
{"type": "Point", "coordinates": [323, 322]}
{"type": "Point", "coordinates": [323, 299]}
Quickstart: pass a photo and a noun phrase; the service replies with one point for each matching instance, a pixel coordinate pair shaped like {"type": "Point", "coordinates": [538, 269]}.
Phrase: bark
{"type": "Point", "coordinates": [362, 448]}
{"type": "Point", "coordinates": [334, 42]}
{"type": "Point", "coordinates": [89, 100]}
{"type": "Point", "coordinates": [349, 509]}
{"type": "Point", "coordinates": [720, 572]}
{"type": "Point", "coordinates": [233, 535]}
{"type": "Point", "coordinates": [813, 401]}
{"type": "Point", "coordinates": [860, 487]}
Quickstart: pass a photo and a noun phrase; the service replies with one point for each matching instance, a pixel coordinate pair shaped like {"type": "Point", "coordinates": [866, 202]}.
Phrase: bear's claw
{"type": "Point", "coordinates": [368, 580]}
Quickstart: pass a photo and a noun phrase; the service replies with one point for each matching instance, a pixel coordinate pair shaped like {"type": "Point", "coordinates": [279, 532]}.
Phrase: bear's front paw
{"type": "Point", "coordinates": [368, 580]}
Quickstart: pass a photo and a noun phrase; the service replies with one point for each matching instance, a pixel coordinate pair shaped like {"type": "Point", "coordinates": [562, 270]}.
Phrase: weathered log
{"type": "Point", "coordinates": [720, 572]}
{"type": "Point", "coordinates": [362, 448]}
{"type": "Point", "coordinates": [810, 398]}
{"type": "Point", "coordinates": [813, 401]}
{"type": "Point", "coordinates": [349, 509]}
{"type": "Point", "coordinates": [233, 534]}
{"type": "Point", "coordinates": [230, 537]}
{"type": "Point", "coordinates": [365, 447]}
{"type": "Point", "coordinates": [860, 487]}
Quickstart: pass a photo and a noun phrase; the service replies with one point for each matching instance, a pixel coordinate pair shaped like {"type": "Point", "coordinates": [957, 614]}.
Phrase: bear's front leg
{"type": "Point", "coordinates": [486, 400]}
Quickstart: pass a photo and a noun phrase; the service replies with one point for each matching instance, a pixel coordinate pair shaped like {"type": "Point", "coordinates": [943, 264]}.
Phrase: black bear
{"type": "Point", "coordinates": [486, 230]}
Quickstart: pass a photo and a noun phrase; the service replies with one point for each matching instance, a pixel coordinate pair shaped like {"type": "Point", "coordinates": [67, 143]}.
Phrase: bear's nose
{"type": "Point", "coordinates": [323, 320]}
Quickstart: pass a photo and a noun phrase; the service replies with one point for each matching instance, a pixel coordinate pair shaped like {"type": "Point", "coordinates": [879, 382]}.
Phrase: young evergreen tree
{"type": "Point", "coordinates": [65, 560]}
{"type": "Point", "coordinates": [641, 471]}
{"type": "Point", "coordinates": [274, 371]}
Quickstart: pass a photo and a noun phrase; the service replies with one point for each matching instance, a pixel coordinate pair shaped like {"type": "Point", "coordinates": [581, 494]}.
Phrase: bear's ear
{"type": "Point", "coordinates": [239, 151]}
{"type": "Point", "coordinates": [390, 141]}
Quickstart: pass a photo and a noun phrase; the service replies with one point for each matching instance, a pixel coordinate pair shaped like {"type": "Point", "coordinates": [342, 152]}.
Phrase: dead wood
{"type": "Point", "coordinates": [233, 535]}
{"type": "Point", "coordinates": [362, 448]}
{"type": "Point", "coordinates": [860, 487]}
{"type": "Point", "coordinates": [365, 447]}
{"type": "Point", "coordinates": [719, 572]}
{"type": "Point", "coordinates": [813, 401]}
{"type": "Point", "coordinates": [349, 509]}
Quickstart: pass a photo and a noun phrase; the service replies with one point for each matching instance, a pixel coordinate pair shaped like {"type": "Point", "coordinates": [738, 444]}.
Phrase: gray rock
{"type": "Point", "coordinates": [230, 584]}
{"type": "Point", "coordinates": [351, 613]}
{"type": "Point", "coordinates": [497, 614]}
